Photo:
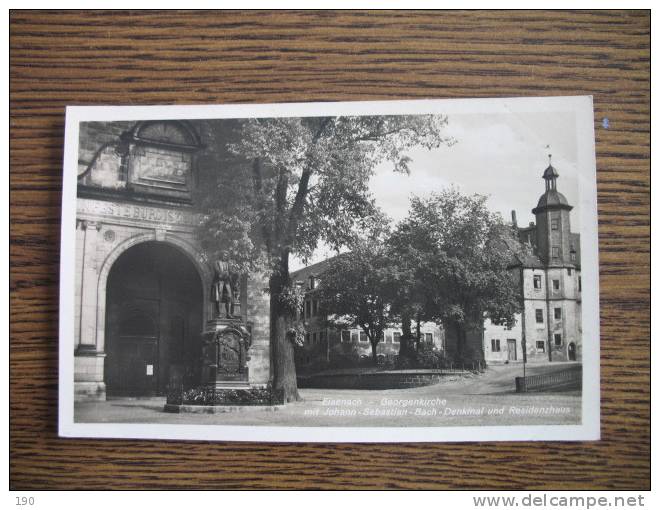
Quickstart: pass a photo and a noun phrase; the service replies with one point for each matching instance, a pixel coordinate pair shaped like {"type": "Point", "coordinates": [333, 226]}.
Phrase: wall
{"type": "Point", "coordinates": [377, 380]}
{"type": "Point", "coordinates": [258, 318]}
{"type": "Point", "coordinates": [503, 334]}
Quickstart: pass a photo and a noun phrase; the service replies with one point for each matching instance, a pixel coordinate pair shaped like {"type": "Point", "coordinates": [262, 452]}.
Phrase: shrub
{"type": "Point", "coordinates": [404, 363]}
{"type": "Point", "coordinates": [430, 359]}
{"type": "Point", "coordinates": [344, 356]}
{"type": "Point", "coordinates": [210, 396]}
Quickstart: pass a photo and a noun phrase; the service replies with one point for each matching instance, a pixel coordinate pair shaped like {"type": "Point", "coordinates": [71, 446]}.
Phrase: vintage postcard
{"type": "Point", "coordinates": [388, 271]}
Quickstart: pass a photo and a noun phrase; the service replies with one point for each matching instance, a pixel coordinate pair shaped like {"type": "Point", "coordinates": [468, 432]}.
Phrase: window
{"type": "Point", "coordinates": [537, 281]}
{"type": "Point", "coordinates": [308, 309]}
{"type": "Point", "coordinates": [555, 252]}
{"type": "Point", "coordinates": [312, 282]}
{"type": "Point", "coordinates": [540, 345]}
{"type": "Point", "coordinates": [314, 339]}
{"type": "Point", "coordinates": [557, 339]}
{"type": "Point", "coordinates": [363, 336]}
{"type": "Point", "coordinates": [557, 313]}
{"type": "Point", "coordinates": [397, 337]}
{"type": "Point", "coordinates": [345, 336]}
{"type": "Point", "coordinates": [580, 283]}
{"type": "Point", "coordinates": [495, 345]}
{"type": "Point", "coordinates": [322, 336]}
{"type": "Point", "coordinates": [307, 338]}
{"type": "Point", "coordinates": [554, 224]}
{"type": "Point", "coordinates": [570, 271]}
{"type": "Point", "coordinates": [388, 338]}
{"type": "Point", "coordinates": [429, 338]}
{"type": "Point", "coordinates": [354, 336]}
{"type": "Point", "coordinates": [315, 307]}
{"type": "Point", "coordinates": [573, 256]}
{"type": "Point", "coordinates": [555, 284]}
{"type": "Point", "coordinates": [539, 315]}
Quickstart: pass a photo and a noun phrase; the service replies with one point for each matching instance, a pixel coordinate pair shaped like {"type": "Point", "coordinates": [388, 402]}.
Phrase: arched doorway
{"type": "Point", "coordinates": [571, 352]}
{"type": "Point", "coordinates": [153, 319]}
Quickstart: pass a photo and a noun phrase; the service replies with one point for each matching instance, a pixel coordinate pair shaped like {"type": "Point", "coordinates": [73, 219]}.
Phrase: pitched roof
{"type": "Point", "coordinates": [314, 270]}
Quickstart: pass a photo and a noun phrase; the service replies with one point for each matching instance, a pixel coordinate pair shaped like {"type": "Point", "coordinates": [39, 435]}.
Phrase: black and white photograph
{"type": "Point", "coordinates": [364, 271]}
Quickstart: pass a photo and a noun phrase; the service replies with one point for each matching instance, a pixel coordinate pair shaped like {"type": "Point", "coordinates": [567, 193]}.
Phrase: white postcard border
{"type": "Point", "coordinates": [589, 429]}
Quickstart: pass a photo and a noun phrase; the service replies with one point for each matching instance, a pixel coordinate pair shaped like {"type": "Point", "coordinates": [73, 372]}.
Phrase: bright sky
{"type": "Point", "coordinates": [502, 156]}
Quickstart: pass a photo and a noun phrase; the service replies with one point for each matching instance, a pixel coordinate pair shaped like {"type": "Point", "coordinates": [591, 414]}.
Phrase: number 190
{"type": "Point", "coordinates": [24, 501]}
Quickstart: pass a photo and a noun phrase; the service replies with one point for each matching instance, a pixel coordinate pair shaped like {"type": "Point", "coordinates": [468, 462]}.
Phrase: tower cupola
{"type": "Point", "coordinates": [550, 175]}
{"type": "Point", "coordinates": [553, 224]}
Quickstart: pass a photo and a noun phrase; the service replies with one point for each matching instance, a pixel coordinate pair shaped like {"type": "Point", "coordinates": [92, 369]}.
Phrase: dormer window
{"type": "Point", "coordinates": [312, 282]}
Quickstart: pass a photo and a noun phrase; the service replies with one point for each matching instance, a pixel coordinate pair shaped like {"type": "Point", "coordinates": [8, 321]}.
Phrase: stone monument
{"type": "Point", "coordinates": [226, 338]}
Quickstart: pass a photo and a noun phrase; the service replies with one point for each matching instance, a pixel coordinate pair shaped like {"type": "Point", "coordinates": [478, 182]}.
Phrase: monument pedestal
{"type": "Point", "coordinates": [225, 345]}
{"type": "Point", "coordinates": [225, 377]}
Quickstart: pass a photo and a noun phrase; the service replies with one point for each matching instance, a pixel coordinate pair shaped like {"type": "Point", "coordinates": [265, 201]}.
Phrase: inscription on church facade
{"type": "Point", "coordinates": [160, 167]}
{"type": "Point", "coordinates": [137, 212]}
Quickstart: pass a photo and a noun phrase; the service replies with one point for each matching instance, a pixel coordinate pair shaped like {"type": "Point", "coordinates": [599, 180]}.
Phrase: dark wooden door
{"type": "Point", "coordinates": [132, 362]}
{"type": "Point", "coordinates": [138, 366]}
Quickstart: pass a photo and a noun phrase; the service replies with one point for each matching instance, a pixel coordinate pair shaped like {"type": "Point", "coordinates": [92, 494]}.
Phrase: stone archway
{"type": "Point", "coordinates": [154, 319]}
{"type": "Point", "coordinates": [183, 245]}
{"type": "Point", "coordinates": [190, 255]}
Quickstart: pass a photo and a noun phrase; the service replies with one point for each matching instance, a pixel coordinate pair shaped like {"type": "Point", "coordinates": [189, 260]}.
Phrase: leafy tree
{"type": "Point", "coordinates": [459, 254]}
{"type": "Point", "coordinates": [292, 183]}
{"type": "Point", "coordinates": [355, 290]}
{"type": "Point", "coordinates": [407, 289]}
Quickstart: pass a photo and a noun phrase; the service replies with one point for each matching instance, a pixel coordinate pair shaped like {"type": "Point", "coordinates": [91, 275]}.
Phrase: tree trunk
{"type": "Point", "coordinates": [374, 351]}
{"type": "Point", "coordinates": [418, 332]}
{"type": "Point", "coordinates": [459, 330]}
{"type": "Point", "coordinates": [284, 367]}
{"type": "Point", "coordinates": [406, 336]}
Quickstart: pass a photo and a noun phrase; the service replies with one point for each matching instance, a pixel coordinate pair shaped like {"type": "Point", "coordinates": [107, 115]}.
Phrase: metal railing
{"type": "Point", "coordinates": [568, 378]}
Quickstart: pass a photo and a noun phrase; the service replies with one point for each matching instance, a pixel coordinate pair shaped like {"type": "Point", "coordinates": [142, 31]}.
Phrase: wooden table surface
{"type": "Point", "coordinates": [119, 58]}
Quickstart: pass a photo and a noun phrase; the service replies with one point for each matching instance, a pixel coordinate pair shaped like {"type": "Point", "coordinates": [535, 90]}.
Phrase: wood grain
{"type": "Point", "coordinates": [66, 58]}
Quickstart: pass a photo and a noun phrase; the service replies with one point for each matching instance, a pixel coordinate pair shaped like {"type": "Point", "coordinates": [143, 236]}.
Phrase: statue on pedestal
{"type": "Point", "coordinates": [225, 290]}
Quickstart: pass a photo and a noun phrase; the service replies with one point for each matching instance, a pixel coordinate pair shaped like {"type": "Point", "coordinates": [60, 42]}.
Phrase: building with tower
{"type": "Point", "coordinates": [550, 326]}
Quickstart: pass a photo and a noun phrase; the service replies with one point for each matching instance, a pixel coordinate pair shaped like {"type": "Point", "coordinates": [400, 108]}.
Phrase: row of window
{"type": "Point", "coordinates": [495, 345]}
{"type": "Point", "coordinates": [395, 337]}
{"type": "Point", "coordinates": [315, 338]}
{"type": "Point", "coordinates": [539, 315]}
{"type": "Point", "coordinates": [348, 336]}
{"type": "Point", "coordinates": [538, 282]}
{"type": "Point", "coordinates": [556, 253]}
{"type": "Point", "coordinates": [311, 308]}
